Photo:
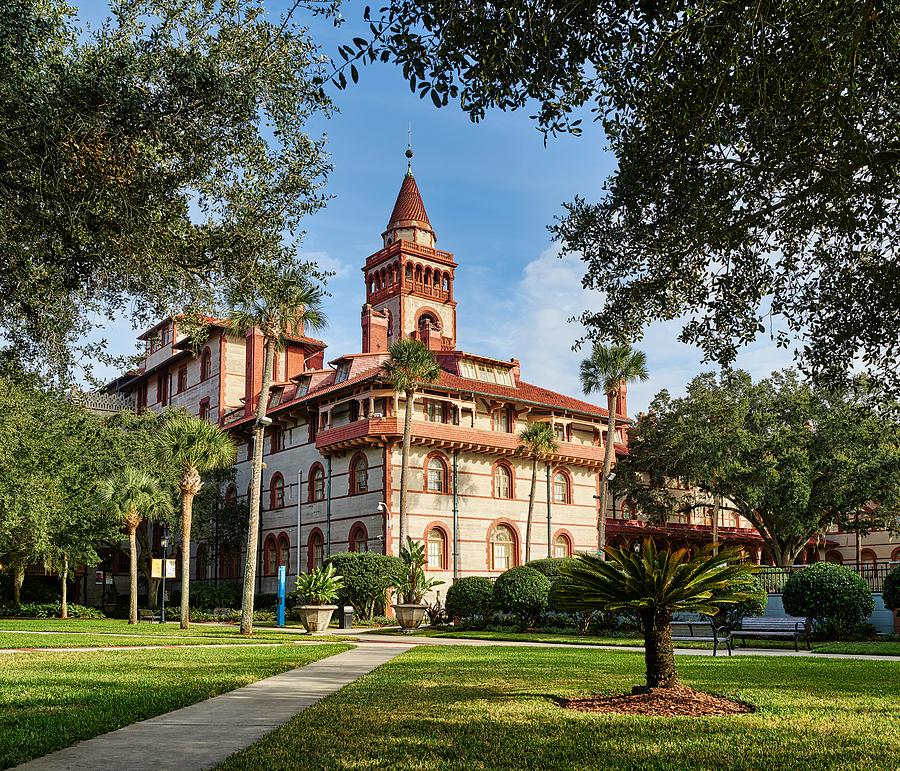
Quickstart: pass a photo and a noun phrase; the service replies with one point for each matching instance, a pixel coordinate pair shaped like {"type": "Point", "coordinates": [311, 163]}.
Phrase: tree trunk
{"type": "Point", "coordinates": [534, 465]}
{"type": "Point", "coordinates": [259, 436]}
{"type": "Point", "coordinates": [190, 487]}
{"type": "Point", "coordinates": [404, 467]}
{"type": "Point", "coordinates": [604, 477]}
{"type": "Point", "coordinates": [658, 653]}
{"type": "Point", "coordinates": [717, 507]}
{"type": "Point", "coordinates": [18, 580]}
{"type": "Point", "coordinates": [145, 565]}
{"type": "Point", "coordinates": [132, 575]}
{"type": "Point", "coordinates": [63, 588]}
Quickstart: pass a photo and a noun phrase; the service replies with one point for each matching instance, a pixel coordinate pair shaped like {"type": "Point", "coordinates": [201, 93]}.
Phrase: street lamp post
{"type": "Point", "coordinates": [164, 542]}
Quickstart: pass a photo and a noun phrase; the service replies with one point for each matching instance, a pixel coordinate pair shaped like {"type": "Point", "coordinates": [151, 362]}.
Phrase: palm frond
{"type": "Point", "coordinates": [186, 442]}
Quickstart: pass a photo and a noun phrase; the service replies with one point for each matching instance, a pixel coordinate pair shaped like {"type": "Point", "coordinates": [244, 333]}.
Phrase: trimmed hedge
{"type": "Point", "coordinates": [524, 592]}
{"type": "Point", "coordinates": [835, 597]}
{"type": "Point", "coordinates": [49, 610]}
{"type": "Point", "coordinates": [891, 590]}
{"type": "Point", "coordinates": [730, 614]}
{"type": "Point", "coordinates": [470, 597]}
{"type": "Point", "coordinates": [367, 577]}
{"type": "Point", "coordinates": [206, 595]}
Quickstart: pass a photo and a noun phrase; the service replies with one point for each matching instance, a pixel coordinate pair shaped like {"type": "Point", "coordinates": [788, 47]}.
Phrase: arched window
{"type": "Point", "coordinates": [436, 541]}
{"type": "Point", "coordinates": [562, 546]}
{"type": "Point", "coordinates": [359, 475]}
{"type": "Point", "coordinates": [503, 548]}
{"type": "Point", "coordinates": [503, 481]}
{"type": "Point", "coordinates": [317, 483]}
{"type": "Point", "coordinates": [200, 569]}
{"type": "Point", "coordinates": [359, 538]}
{"type": "Point", "coordinates": [562, 488]}
{"type": "Point", "coordinates": [418, 274]}
{"type": "Point", "coordinates": [446, 284]}
{"type": "Point", "coordinates": [436, 475]}
{"type": "Point", "coordinates": [269, 556]}
{"type": "Point", "coordinates": [834, 556]}
{"type": "Point", "coordinates": [409, 273]}
{"type": "Point", "coordinates": [205, 364]}
{"type": "Point", "coordinates": [427, 319]}
{"type": "Point", "coordinates": [316, 550]}
{"type": "Point", "coordinates": [436, 279]}
{"type": "Point", "coordinates": [283, 556]}
{"type": "Point", "coordinates": [390, 323]}
{"type": "Point", "coordinates": [869, 561]}
{"type": "Point", "coordinates": [231, 493]}
{"type": "Point", "coordinates": [276, 492]}
{"type": "Point", "coordinates": [229, 561]}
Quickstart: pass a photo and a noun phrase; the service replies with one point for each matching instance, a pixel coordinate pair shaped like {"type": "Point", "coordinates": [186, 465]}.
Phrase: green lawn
{"type": "Point", "coordinates": [51, 700]}
{"type": "Point", "coordinates": [872, 648]}
{"type": "Point", "coordinates": [493, 708]}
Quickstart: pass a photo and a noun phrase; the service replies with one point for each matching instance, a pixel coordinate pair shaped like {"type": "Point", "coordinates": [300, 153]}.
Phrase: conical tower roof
{"type": "Point", "coordinates": [409, 211]}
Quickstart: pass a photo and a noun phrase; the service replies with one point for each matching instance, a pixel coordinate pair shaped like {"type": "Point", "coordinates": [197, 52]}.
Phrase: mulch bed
{"type": "Point", "coordinates": [662, 702]}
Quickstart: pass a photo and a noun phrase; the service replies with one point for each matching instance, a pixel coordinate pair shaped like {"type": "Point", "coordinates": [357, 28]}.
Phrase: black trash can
{"type": "Point", "coordinates": [345, 617]}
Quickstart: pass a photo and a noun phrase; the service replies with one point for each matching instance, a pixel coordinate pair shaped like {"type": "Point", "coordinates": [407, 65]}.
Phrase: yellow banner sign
{"type": "Point", "coordinates": [156, 568]}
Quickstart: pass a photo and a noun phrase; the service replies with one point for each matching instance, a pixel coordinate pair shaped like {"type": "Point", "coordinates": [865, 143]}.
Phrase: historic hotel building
{"type": "Point", "coordinates": [332, 456]}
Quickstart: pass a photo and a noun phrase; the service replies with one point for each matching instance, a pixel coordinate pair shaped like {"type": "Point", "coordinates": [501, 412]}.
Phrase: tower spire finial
{"type": "Point", "coordinates": [409, 151]}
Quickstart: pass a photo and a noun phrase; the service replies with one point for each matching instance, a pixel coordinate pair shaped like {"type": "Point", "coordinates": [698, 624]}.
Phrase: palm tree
{"type": "Point", "coordinates": [538, 442]}
{"type": "Point", "coordinates": [193, 447]}
{"type": "Point", "coordinates": [409, 366]}
{"type": "Point", "coordinates": [283, 303]}
{"type": "Point", "coordinates": [608, 369]}
{"type": "Point", "coordinates": [131, 496]}
{"type": "Point", "coordinates": [654, 583]}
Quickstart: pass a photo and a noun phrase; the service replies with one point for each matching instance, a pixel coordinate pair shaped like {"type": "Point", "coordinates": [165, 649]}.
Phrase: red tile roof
{"type": "Point", "coordinates": [409, 207]}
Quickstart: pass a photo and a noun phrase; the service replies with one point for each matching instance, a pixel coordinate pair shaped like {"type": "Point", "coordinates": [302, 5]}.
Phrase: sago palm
{"type": "Point", "coordinates": [655, 583]}
{"type": "Point", "coordinates": [131, 496]}
{"type": "Point", "coordinates": [281, 304]}
{"type": "Point", "coordinates": [193, 447]}
{"type": "Point", "coordinates": [537, 442]}
{"type": "Point", "coordinates": [608, 369]}
{"type": "Point", "coordinates": [409, 366]}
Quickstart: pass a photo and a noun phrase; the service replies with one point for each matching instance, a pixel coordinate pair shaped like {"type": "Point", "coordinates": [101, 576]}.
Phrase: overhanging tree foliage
{"type": "Point", "coordinates": [793, 459]}
{"type": "Point", "coordinates": [757, 182]}
{"type": "Point", "coordinates": [150, 159]}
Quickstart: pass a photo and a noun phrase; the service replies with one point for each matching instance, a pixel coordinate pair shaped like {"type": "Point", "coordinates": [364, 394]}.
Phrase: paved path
{"type": "Point", "coordinates": [204, 734]}
{"type": "Point", "coordinates": [411, 640]}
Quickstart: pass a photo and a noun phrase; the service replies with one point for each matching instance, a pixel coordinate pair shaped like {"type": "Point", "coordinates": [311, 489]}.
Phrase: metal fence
{"type": "Point", "coordinates": [774, 579]}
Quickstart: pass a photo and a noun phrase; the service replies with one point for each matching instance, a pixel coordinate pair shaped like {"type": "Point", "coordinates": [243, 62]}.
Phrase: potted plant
{"type": "Point", "coordinates": [411, 586]}
{"type": "Point", "coordinates": [316, 591]}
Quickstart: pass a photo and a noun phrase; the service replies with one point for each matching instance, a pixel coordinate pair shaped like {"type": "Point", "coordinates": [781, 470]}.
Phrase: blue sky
{"type": "Point", "coordinates": [490, 190]}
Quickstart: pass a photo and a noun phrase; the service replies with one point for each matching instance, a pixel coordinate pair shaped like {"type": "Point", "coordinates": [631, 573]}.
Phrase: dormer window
{"type": "Point", "coordinates": [343, 372]}
{"type": "Point", "coordinates": [303, 386]}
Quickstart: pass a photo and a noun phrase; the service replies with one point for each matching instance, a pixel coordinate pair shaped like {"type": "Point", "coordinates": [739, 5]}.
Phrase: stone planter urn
{"type": "Point", "coordinates": [316, 618]}
{"type": "Point", "coordinates": [410, 616]}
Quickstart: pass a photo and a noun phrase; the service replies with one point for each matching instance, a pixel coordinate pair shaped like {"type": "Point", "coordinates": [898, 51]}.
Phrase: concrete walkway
{"type": "Point", "coordinates": [204, 734]}
{"type": "Point", "coordinates": [412, 640]}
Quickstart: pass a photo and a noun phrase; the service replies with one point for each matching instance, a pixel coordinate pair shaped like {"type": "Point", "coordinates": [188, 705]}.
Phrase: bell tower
{"type": "Point", "coordinates": [409, 282]}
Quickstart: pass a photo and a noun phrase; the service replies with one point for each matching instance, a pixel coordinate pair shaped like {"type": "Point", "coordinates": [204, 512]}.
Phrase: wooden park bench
{"type": "Point", "coordinates": [698, 628]}
{"type": "Point", "coordinates": [145, 614]}
{"type": "Point", "coordinates": [791, 627]}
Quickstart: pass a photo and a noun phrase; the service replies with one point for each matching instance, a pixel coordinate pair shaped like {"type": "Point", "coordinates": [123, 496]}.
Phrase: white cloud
{"type": "Point", "coordinates": [535, 328]}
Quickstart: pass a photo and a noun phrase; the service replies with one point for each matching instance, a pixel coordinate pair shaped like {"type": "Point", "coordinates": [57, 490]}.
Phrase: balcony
{"type": "Point", "coordinates": [373, 431]}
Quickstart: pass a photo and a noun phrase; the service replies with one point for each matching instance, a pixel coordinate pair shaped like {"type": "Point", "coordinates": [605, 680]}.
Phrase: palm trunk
{"type": "Point", "coordinates": [259, 436]}
{"type": "Point", "coordinates": [534, 465]}
{"type": "Point", "coordinates": [190, 487]}
{"type": "Point", "coordinates": [717, 505]}
{"type": "Point", "coordinates": [404, 467]}
{"type": "Point", "coordinates": [659, 655]}
{"type": "Point", "coordinates": [132, 574]}
{"type": "Point", "coordinates": [145, 565]}
{"type": "Point", "coordinates": [63, 588]}
{"type": "Point", "coordinates": [18, 580]}
{"type": "Point", "coordinates": [604, 478]}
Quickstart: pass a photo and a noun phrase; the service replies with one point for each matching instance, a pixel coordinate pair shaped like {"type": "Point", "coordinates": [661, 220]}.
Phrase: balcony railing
{"type": "Point", "coordinates": [774, 578]}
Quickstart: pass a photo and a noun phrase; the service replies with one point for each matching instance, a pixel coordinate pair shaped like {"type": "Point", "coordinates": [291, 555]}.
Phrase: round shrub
{"type": "Point", "coordinates": [469, 597]}
{"type": "Point", "coordinates": [891, 590]}
{"type": "Point", "coordinates": [523, 592]}
{"type": "Point", "coordinates": [835, 597]}
{"type": "Point", "coordinates": [550, 566]}
{"type": "Point", "coordinates": [730, 614]}
{"type": "Point", "coordinates": [366, 577]}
